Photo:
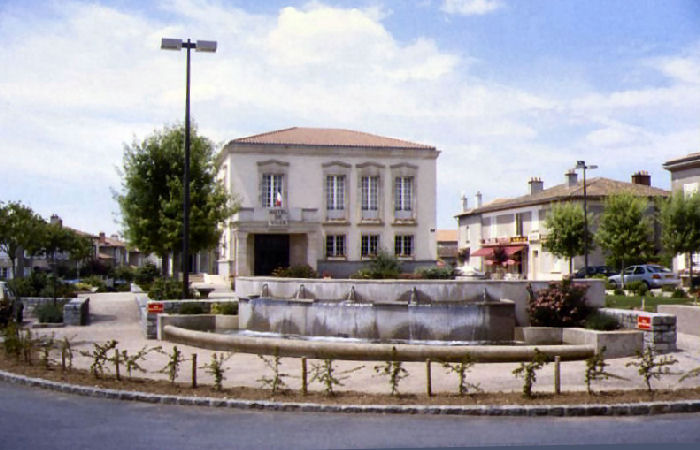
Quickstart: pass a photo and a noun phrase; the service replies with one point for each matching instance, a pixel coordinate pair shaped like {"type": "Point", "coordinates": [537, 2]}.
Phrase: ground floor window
{"type": "Point", "coordinates": [370, 245]}
{"type": "Point", "coordinates": [403, 246]}
{"type": "Point", "coordinates": [335, 246]}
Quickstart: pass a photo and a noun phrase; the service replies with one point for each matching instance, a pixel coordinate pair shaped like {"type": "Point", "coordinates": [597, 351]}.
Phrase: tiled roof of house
{"type": "Point", "coordinates": [687, 160]}
{"type": "Point", "coordinates": [328, 137]}
{"type": "Point", "coordinates": [446, 235]}
{"type": "Point", "coordinates": [598, 187]}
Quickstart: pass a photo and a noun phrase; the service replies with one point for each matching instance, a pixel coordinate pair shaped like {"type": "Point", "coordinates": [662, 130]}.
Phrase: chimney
{"type": "Point", "coordinates": [56, 219]}
{"type": "Point", "coordinates": [478, 199]}
{"type": "Point", "coordinates": [571, 178]}
{"type": "Point", "coordinates": [536, 185]}
{"type": "Point", "coordinates": [642, 177]}
{"type": "Point", "coordinates": [465, 202]}
{"type": "Point", "coordinates": [103, 238]}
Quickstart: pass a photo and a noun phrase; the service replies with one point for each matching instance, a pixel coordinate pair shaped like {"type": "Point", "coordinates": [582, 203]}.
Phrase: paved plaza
{"type": "Point", "coordinates": [115, 316]}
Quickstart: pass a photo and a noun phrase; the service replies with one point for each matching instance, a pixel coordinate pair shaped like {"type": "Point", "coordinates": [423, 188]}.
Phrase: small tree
{"type": "Point", "coordinates": [652, 366]}
{"type": "Point", "coordinates": [625, 230]}
{"type": "Point", "coordinates": [680, 226]}
{"type": "Point", "coordinates": [277, 381]}
{"type": "Point", "coordinates": [595, 370]}
{"type": "Point", "coordinates": [394, 370]}
{"type": "Point", "coordinates": [172, 368]}
{"type": "Point", "coordinates": [326, 374]}
{"type": "Point", "coordinates": [20, 229]}
{"type": "Point", "coordinates": [216, 369]}
{"type": "Point", "coordinates": [528, 370]}
{"type": "Point", "coordinates": [461, 368]}
{"type": "Point", "coordinates": [100, 357]}
{"type": "Point", "coordinates": [131, 361]}
{"type": "Point", "coordinates": [567, 234]}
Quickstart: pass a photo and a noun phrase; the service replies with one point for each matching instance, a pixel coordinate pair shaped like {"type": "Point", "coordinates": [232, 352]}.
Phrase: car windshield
{"type": "Point", "coordinates": [629, 270]}
{"type": "Point", "coordinates": [658, 269]}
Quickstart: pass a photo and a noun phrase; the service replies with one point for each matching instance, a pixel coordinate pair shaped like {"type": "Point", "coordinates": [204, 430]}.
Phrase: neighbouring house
{"type": "Point", "coordinates": [505, 236]}
{"type": "Point", "coordinates": [447, 247]}
{"type": "Point", "coordinates": [685, 177]}
{"type": "Point", "coordinates": [327, 198]}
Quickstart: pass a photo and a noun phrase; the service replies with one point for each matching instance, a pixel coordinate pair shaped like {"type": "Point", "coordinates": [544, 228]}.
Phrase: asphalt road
{"type": "Point", "coordinates": [36, 419]}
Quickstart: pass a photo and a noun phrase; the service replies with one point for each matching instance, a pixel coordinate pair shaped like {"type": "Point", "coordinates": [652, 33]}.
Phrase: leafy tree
{"type": "Point", "coordinates": [624, 231]}
{"type": "Point", "coordinates": [680, 225]}
{"type": "Point", "coordinates": [20, 229]}
{"type": "Point", "coordinates": [152, 198]}
{"type": "Point", "coordinates": [568, 235]}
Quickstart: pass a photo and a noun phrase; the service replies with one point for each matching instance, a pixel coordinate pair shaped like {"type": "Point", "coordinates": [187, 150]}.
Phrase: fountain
{"type": "Point", "coordinates": [414, 316]}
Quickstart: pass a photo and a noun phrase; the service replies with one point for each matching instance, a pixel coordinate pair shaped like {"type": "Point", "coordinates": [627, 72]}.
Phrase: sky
{"type": "Point", "coordinates": [504, 89]}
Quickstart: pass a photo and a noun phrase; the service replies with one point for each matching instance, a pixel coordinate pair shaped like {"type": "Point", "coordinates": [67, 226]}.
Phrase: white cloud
{"type": "Point", "coordinates": [471, 7]}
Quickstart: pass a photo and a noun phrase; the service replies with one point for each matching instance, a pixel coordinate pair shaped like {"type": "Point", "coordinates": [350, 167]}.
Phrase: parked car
{"type": "Point", "coordinates": [653, 275]}
{"type": "Point", "coordinates": [594, 270]}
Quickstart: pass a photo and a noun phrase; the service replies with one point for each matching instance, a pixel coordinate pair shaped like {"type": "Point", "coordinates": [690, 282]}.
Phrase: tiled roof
{"type": "Point", "coordinates": [328, 137]}
{"type": "Point", "coordinates": [598, 187]}
{"type": "Point", "coordinates": [687, 160]}
{"type": "Point", "coordinates": [446, 235]}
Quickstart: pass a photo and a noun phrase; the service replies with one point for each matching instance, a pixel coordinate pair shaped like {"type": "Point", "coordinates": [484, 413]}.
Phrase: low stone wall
{"type": "Point", "coordinates": [661, 332]}
{"type": "Point", "coordinates": [617, 343]}
{"type": "Point", "coordinates": [31, 303]}
{"type": "Point", "coordinates": [295, 348]}
{"type": "Point", "coordinates": [77, 312]}
{"type": "Point", "coordinates": [149, 310]}
{"type": "Point", "coordinates": [434, 291]}
{"type": "Point", "coordinates": [687, 317]}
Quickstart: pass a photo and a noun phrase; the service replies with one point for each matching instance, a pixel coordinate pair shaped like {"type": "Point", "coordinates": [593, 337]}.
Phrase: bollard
{"type": "Point", "coordinates": [304, 376]}
{"type": "Point", "coordinates": [557, 375]}
{"type": "Point", "coordinates": [194, 371]}
{"type": "Point", "coordinates": [428, 379]}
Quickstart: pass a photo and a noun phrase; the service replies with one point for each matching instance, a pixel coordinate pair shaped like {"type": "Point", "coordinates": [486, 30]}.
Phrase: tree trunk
{"type": "Point", "coordinates": [571, 270]}
{"type": "Point", "coordinates": [164, 265]}
{"type": "Point", "coordinates": [622, 274]}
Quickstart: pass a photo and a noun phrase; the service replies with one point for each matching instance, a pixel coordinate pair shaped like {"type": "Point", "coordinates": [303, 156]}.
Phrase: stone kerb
{"type": "Point", "coordinates": [659, 329]}
{"type": "Point", "coordinates": [399, 290]}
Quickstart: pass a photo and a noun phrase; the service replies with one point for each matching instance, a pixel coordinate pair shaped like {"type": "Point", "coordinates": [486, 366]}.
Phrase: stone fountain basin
{"type": "Point", "coordinates": [369, 352]}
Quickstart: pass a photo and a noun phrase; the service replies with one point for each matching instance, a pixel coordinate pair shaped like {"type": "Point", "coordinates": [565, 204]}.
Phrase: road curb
{"type": "Point", "coordinates": [626, 409]}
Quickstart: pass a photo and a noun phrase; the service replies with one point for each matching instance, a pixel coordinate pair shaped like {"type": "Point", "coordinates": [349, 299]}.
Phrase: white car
{"type": "Point", "coordinates": [652, 275]}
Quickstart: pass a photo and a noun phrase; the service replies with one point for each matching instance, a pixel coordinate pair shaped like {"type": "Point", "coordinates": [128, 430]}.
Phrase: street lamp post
{"type": "Point", "coordinates": [582, 165]}
{"type": "Point", "coordinates": [200, 46]}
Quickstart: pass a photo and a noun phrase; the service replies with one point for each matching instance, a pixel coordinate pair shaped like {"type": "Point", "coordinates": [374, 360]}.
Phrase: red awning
{"type": "Point", "coordinates": [513, 249]}
{"type": "Point", "coordinates": [483, 251]}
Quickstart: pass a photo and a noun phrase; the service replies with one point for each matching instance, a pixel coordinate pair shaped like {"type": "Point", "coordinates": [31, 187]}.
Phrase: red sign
{"type": "Point", "coordinates": [155, 307]}
{"type": "Point", "coordinates": [644, 322]}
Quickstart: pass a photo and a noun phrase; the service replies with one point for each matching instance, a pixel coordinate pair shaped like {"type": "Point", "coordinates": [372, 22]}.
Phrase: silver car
{"type": "Point", "coordinates": [652, 275]}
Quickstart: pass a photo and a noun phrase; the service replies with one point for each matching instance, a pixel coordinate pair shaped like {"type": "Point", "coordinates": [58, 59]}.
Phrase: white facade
{"type": "Point", "coordinates": [330, 206]}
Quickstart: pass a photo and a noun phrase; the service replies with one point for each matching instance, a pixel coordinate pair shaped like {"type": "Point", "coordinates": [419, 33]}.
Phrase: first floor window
{"type": "Point", "coordinates": [370, 245]}
{"type": "Point", "coordinates": [403, 246]}
{"type": "Point", "coordinates": [271, 190]}
{"type": "Point", "coordinates": [335, 246]}
{"type": "Point", "coordinates": [370, 193]}
{"type": "Point", "coordinates": [335, 192]}
{"type": "Point", "coordinates": [403, 193]}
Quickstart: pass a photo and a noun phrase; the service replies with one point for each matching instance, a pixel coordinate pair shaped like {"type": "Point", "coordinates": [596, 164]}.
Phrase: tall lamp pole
{"type": "Point", "coordinates": [200, 46]}
{"type": "Point", "coordinates": [582, 165]}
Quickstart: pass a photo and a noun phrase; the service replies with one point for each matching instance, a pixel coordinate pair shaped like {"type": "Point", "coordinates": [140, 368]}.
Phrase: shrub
{"type": "Point", "coordinates": [191, 308]}
{"type": "Point", "coordinates": [49, 313]}
{"type": "Point", "coordinates": [124, 273]}
{"type": "Point", "coordinates": [559, 305]}
{"type": "Point", "coordinates": [96, 282]}
{"type": "Point", "coordinates": [295, 272]}
{"type": "Point", "coordinates": [228, 308]}
{"type": "Point", "coordinates": [602, 322]}
{"type": "Point", "coordinates": [383, 266]}
{"type": "Point", "coordinates": [610, 286]}
{"type": "Point", "coordinates": [599, 276]}
{"type": "Point", "coordinates": [619, 291]}
{"type": "Point", "coordinates": [668, 288]}
{"type": "Point", "coordinates": [679, 293]}
{"type": "Point", "coordinates": [436, 273]}
{"type": "Point", "coordinates": [146, 274]}
{"type": "Point", "coordinates": [166, 289]}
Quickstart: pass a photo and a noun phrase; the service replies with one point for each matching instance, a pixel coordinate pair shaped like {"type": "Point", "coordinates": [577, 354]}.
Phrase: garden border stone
{"type": "Point", "coordinates": [624, 409]}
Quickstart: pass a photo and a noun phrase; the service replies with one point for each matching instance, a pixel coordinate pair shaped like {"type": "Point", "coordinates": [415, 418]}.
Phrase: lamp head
{"type": "Point", "coordinates": [171, 44]}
